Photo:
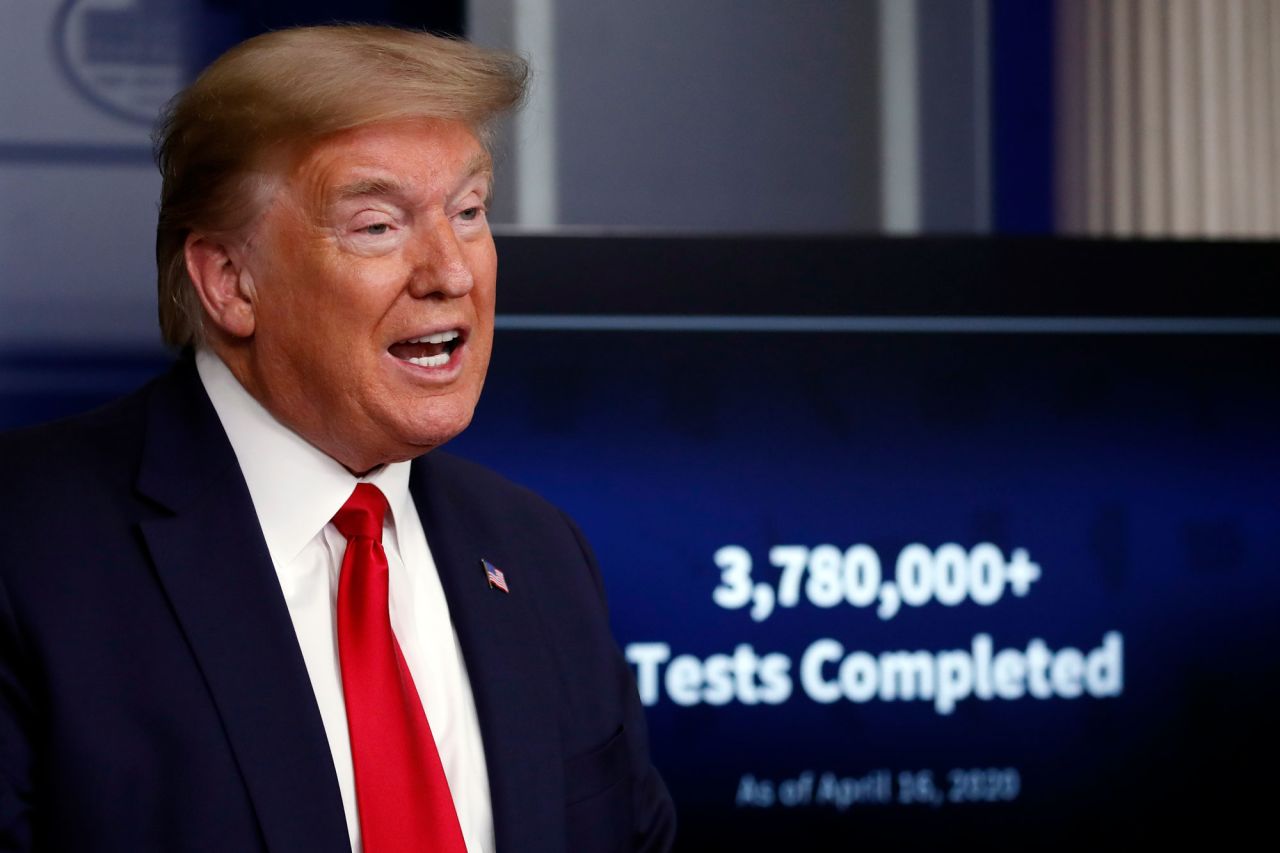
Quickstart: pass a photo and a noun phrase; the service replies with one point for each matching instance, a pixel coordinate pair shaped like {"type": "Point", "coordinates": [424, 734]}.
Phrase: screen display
{"type": "Point", "coordinates": [921, 584]}
{"type": "Point", "coordinates": [906, 542]}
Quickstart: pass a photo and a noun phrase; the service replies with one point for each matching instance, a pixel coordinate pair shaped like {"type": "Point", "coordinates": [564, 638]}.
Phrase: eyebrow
{"type": "Point", "coordinates": [480, 163]}
{"type": "Point", "coordinates": [368, 187]}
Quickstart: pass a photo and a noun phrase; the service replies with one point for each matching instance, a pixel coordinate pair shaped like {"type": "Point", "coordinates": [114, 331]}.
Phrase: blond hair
{"type": "Point", "coordinates": [291, 87]}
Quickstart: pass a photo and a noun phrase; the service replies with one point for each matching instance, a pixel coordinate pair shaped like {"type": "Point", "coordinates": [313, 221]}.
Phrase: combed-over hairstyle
{"type": "Point", "coordinates": [294, 86]}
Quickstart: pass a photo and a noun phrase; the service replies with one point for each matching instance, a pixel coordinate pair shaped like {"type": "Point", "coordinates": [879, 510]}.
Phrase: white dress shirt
{"type": "Point", "coordinates": [296, 490]}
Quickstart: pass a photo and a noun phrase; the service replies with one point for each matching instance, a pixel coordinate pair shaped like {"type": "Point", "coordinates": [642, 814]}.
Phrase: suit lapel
{"type": "Point", "coordinates": [512, 676]}
{"type": "Point", "coordinates": [212, 561]}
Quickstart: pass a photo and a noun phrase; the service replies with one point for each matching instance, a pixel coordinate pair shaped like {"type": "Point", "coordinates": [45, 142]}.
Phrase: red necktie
{"type": "Point", "coordinates": [401, 790]}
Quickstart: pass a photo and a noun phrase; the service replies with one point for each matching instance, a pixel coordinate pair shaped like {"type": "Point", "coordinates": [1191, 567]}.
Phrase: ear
{"type": "Point", "coordinates": [223, 282]}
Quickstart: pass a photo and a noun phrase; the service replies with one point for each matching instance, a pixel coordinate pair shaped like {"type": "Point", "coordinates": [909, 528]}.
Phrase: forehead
{"type": "Point", "coordinates": [426, 156]}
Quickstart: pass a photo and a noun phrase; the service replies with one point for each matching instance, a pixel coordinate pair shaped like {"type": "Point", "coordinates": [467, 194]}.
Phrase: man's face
{"type": "Point", "coordinates": [373, 276]}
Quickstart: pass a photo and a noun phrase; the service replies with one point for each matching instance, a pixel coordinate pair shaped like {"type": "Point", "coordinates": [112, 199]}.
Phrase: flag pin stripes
{"type": "Point", "coordinates": [495, 576]}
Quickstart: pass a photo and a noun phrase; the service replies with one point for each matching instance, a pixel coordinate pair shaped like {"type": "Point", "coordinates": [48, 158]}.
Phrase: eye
{"type": "Point", "coordinates": [470, 213]}
{"type": "Point", "coordinates": [377, 229]}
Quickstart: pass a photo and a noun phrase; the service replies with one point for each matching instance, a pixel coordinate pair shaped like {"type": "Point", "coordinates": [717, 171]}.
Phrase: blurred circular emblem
{"type": "Point", "coordinates": [124, 56]}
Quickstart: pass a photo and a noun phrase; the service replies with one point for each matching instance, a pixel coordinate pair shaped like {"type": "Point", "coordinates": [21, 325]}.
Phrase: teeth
{"type": "Point", "coordinates": [431, 360]}
{"type": "Point", "coordinates": [437, 338]}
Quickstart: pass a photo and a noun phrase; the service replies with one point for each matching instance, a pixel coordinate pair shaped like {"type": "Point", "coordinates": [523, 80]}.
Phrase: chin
{"type": "Point", "coordinates": [435, 429]}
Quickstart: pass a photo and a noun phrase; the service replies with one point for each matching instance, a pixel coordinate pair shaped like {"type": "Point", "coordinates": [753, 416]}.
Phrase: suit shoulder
{"type": "Point", "coordinates": [496, 508]}
{"type": "Point", "coordinates": [477, 484]}
{"type": "Point", "coordinates": [75, 446]}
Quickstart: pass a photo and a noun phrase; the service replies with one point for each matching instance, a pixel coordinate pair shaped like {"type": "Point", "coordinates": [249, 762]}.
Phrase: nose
{"type": "Point", "coordinates": [441, 267]}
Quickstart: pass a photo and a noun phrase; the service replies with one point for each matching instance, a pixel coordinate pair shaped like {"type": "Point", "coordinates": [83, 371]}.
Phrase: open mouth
{"type": "Point", "coordinates": [432, 350]}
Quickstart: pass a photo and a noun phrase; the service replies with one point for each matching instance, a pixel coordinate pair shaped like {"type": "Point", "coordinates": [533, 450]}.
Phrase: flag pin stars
{"type": "Point", "coordinates": [495, 576]}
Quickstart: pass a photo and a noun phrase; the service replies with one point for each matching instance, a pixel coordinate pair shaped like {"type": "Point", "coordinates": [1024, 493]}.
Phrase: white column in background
{"type": "Point", "coordinates": [900, 153]}
{"type": "Point", "coordinates": [1237, 122]}
{"type": "Point", "coordinates": [1211, 101]}
{"type": "Point", "coordinates": [537, 179]}
{"type": "Point", "coordinates": [1261, 142]}
{"type": "Point", "coordinates": [1168, 125]}
{"type": "Point", "coordinates": [1274, 62]}
{"type": "Point", "coordinates": [1095, 117]}
{"type": "Point", "coordinates": [1153, 132]}
{"type": "Point", "coordinates": [1184, 130]}
{"type": "Point", "coordinates": [1273, 41]}
{"type": "Point", "coordinates": [1120, 111]}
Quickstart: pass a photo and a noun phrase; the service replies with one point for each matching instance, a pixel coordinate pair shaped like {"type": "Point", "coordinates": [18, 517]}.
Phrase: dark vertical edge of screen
{"type": "Point", "coordinates": [1022, 116]}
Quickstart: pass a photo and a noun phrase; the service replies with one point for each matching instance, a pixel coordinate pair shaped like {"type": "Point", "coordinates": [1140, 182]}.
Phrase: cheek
{"type": "Point", "coordinates": [484, 298]}
{"type": "Point", "coordinates": [330, 305]}
{"type": "Point", "coordinates": [482, 258]}
{"type": "Point", "coordinates": [306, 336]}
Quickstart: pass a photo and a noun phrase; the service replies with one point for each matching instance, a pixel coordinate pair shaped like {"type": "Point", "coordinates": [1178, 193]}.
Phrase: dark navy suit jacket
{"type": "Point", "coordinates": [152, 693]}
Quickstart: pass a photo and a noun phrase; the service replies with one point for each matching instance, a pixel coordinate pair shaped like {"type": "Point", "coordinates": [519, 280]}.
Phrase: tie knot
{"type": "Point", "coordinates": [362, 514]}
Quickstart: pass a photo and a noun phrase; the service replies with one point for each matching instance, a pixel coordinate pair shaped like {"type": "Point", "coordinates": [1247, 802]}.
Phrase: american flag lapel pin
{"type": "Point", "coordinates": [495, 576]}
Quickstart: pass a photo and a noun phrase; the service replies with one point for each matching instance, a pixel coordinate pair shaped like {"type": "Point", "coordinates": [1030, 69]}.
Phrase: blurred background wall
{"type": "Point", "coordinates": [1146, 118]}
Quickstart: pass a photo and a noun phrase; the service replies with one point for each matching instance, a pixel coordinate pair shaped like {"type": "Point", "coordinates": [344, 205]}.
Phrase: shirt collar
{"type": "Point", "coordinates": [295, 487]}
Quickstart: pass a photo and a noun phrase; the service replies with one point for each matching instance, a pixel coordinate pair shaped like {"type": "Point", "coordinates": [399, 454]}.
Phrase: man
{"type": "Point", "coordinates": [234, 614]}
